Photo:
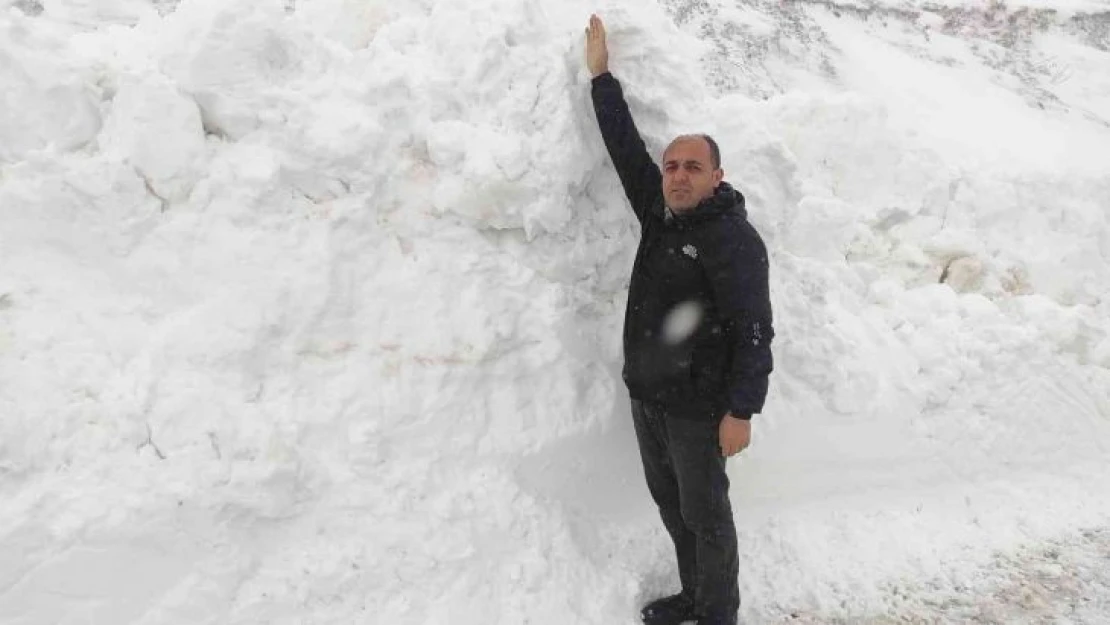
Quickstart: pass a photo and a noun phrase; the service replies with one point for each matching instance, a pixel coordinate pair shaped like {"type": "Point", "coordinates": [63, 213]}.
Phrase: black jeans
{"type": "Point", "coordinates": [686, 476]}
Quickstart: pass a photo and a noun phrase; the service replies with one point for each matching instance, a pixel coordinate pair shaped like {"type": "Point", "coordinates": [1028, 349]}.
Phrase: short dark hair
{"type": "Point", "coordinates": [714, 151]}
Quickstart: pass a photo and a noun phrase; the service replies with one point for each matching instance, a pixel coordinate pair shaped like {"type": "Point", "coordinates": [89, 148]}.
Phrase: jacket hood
{"type": "Point", "coordinates": [725, 199]}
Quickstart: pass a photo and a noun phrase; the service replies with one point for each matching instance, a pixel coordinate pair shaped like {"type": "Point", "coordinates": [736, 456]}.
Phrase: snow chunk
{"type": "Point", "coordinates": [158, 130]}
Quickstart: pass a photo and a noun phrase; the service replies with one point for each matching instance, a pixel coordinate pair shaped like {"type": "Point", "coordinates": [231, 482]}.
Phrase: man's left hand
{"type": "Point", "coordinates": [736, 435]}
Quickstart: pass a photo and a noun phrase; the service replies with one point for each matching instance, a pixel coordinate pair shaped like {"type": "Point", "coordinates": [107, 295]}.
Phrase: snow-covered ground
{"type": "Point", "coordinates": [310, 309]}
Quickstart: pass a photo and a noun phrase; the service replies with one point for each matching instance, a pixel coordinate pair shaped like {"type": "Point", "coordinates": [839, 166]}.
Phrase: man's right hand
{"type": "Point", "coordinates": [597, 53]}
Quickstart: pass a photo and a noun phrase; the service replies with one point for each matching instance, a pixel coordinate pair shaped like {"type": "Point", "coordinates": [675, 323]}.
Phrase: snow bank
{"type": "Point", "coordinates": [310, 311]}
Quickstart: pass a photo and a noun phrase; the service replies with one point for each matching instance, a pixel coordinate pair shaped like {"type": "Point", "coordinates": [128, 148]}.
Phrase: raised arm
{"type": "Point", "coordinates": [639, 175]}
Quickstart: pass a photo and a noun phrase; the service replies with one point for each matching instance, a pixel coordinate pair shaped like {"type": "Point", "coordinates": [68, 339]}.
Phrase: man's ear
{"type": "Point", "coordinates": [718, 176]}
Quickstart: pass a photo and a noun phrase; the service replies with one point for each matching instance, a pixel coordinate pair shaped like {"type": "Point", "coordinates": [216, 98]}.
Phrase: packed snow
{"type": "Point", "coordinates": [310, 310]}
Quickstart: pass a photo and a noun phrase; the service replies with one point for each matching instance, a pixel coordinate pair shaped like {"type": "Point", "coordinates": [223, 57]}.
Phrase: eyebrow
{"type": "Point", "coordinates": [685, 162]}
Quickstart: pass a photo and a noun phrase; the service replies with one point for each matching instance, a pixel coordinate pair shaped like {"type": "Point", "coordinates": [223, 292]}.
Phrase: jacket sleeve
{"type": "Point", "coordinates": [737, 269]}
{"type": "Point", "coordinates": [638, 173]}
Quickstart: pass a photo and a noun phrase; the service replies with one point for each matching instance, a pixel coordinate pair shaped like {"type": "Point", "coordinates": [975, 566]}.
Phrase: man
{"type": "Point", "coordinates": [697, 343]}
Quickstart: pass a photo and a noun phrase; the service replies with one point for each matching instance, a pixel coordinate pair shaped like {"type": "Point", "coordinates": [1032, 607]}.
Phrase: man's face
{"type": "Point", "coordinates": [688, 173]}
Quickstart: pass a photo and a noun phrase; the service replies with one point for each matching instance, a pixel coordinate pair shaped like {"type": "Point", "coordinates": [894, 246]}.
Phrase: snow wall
{"type": "Point", "coordinates": [310, 310]}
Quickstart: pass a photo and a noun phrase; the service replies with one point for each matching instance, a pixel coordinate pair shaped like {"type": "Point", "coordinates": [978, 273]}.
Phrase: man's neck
{"type": "Point", "coordinates": [673, 213]}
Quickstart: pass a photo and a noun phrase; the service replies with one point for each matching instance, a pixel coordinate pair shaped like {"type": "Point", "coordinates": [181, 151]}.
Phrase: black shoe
{"type": "Point", "coordinates": [669, 611]}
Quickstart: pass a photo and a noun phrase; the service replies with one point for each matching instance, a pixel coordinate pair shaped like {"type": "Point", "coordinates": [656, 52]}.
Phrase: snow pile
{"type": "Point", "coordinates": [310, 310]}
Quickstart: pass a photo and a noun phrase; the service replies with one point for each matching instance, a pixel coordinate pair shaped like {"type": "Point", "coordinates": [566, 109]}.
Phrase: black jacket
{"type": "Point", "coordinates": [707, 268]}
